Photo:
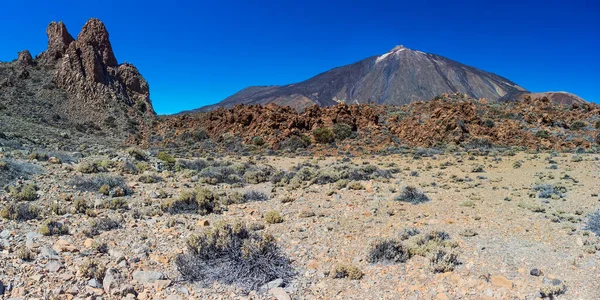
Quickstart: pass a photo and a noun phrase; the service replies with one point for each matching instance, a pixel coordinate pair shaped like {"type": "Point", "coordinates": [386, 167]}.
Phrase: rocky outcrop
{"type": "Point", "coordinates": [24, 58]}
{"type": "Point", "coordinates": [58, 41]}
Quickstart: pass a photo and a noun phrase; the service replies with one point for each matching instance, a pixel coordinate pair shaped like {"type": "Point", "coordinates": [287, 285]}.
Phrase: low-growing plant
{"type": "Point", "coordinates": [543, 134]}
{"type": "Point", "coordinates": [233, 254]}
{"type": "Point", "coordinates": [201, 201]}
{"type": "Point", "coordinates": [577, 125]}
{"type": "Point", "coordinates": [25, 254]}
{"type": "Point", "coordinates": [342, 131]}
{"type": "Point", "coordinates": [104, 184]}
{"type": "Point", "coordinates": [390, 251]}
{"type": "Point", "coordinates": [53, 228]}
{"type": "Point", "coordinates": [412, 195]}
{"type": "Point", "coordinates": [323, 135]}
{"type": "Point", "coordinates": [20, 211]}
{"type": "Point", "coordinates": [346, 271]}
{"type": "Point", "coordinates": [26, 192]}
{"type": "Point", "coordinates": [100, 225]}
{"type": "Point", "coordinates": [273, 217]}
{"type": "Point", "coordinates": [138, 154]}
{"type": "Point", "coordinates": [166, 157]}
{"type": "Point", "coordinates": [593, 223]}
{"type": "Point", "coordinates": [92, 269]}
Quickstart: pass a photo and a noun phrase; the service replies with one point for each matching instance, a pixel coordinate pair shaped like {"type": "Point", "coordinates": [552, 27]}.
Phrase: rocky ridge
{"type": "Point", "coordinates": [77, 82]}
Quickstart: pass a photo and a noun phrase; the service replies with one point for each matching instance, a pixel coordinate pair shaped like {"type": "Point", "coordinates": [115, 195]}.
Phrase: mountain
{"type": "Point", "coordinates": [555, 97]}
{"type": "Point", "coordinates": [76, 83]}
{"type": "Point", "coordinates": [398, 77]}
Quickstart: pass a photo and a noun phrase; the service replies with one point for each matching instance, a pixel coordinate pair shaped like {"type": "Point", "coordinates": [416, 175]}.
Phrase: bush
{"type": "Point", "coordinates": [39, 156]}
{"type": "Point", "coordinates": [23, 253]}
{"type": "Point", "coordinates": [295, 142]}
{"type": "Point", "coordinates": [443, 260]}
{"type": "Point", "coordinates": [388, 251]}
{"type": "Point", "coordinates": [342, 131]}
{"type": "Point", "coordinates": [543, 134]}
{"type": "Point", "coordinates": [323, 135]}
{"type": "Point", "coordinates": [138, 154]}
{"type": "Point", "coordinates": [104, 184]}
{"type": "Point", "coordinates": [53, 228]}
{"type": "Point", "coordinates": [478, 169]}
{"type": "Point", "coordinates": [346, 271]}
{"type": "Point", "coordinates": [577, 125]}
{"type": "Point", "coordinates": [26, 192]}
{"type": "Point", "coordinates": [273, 217]}
{"type": "Point", "coordinates": [20, 211]}
{"type": "Point", "coordinates": [90, 167]}
{"type": "Point", "coordinates": [546, 191]}
{"type": "Point", "coordinates": [355, 185]}
{"type": "Point", "coordinates": [233, 254]}
{"type": "Point", "coordinates": [436, 244]}
{"type": "Point", "coordinates": [593, 223]}
{"type": "Point", "coordinates": [165, 157]}
{"type": "Point", "coordinates": [92, 269]}
{"type": "Point", "coordinates": [146, 178]}
{"type": "Point", "coordinates": [201, 201]}
{"type": "Point", "coordinates": [412, 195]}
{"type": "Point", "coordinates": [258, 141]}
{"type": "Point", "coordinates": [101, 225]}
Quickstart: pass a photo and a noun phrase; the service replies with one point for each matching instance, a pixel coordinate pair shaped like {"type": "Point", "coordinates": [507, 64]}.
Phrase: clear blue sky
{"type": "Point", "coordinates": [195, 53]}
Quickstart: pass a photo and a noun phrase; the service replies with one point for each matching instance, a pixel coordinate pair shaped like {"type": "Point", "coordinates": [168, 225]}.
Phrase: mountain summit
{"type": "Point", "coordinates": [399, 76]}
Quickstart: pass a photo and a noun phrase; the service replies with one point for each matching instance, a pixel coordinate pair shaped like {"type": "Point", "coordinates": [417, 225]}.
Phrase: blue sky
{"type": "Point", "coordinates": [195, 53]}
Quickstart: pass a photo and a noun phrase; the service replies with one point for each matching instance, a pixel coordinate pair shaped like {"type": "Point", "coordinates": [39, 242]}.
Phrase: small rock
{"type": "Point", "coordinates": [279, 293]}
{"type": "Point", "coordinates": [54, 160]}
{"type": "Point", "coordinates": [535, 272]}
{"type": "Point", "coordinates": [501, 281]}
{"type": "Point", "coordinates": [64, 246]}
{"type": "Point", "coordinates": [1, 288]}
{"type": "Point", "coordinates": [174, 297]}
{"type": "Point", "coordinates": [272, 284]}
{"type": "Point", "coordinates": [111, 280]}
{"type": "Point", "coordinates": [94, 283]}
{"type": "Point", "coordinates": [145, 277]}
{"type": "Point", "coordinates": [53, 266]}
{"type": "Point", "coordinates": [160, 285]}
{"type": "Point", "coordinates": [48, 253]}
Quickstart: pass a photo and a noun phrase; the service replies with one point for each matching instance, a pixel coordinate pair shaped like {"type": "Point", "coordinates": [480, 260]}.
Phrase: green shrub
{"type": "Point", "coordinates": [201, 201]}
{"type": "Point", "coordinates": [323, 135]}
{"type": "Point", "coordinates": [273, 217]}
{"type": "Point", "coordinates": [92, 269]}
{"type": "Point", "coordinates": [258, 141]}
{"type": "Point", "coordinates": [355, 185]}
{"type": "Point", "coordinates": [23, 253]}
{"type": "Point", "coordinates": [38, 156]}
{"type": "Point", "coordinates": [53, 228]}
{"type": "Point", "coordinates": [26, 192]}
{"type": "Point", "coordinates": [597, 125]}
{"type": "Point", "coordinates": [543, 134]}
{"type": "Point", "coordinates": [20, 211]}
{"type": "Point", "coordinates": [342, 131]}
{"type": "Point", "coordinates": [577, 125]}
{"type": "Point", "coordinates": [346, 271]}
{"type": "Point", "coordinates": [166, 157]}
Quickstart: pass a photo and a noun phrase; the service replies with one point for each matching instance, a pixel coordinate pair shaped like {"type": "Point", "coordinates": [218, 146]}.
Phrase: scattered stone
{"type": "Point", "coordinates": [501, 281]}
{"type": "Point", "coordinates": [272, 284]}
{"type": "Point", "coordinates": [53, 266]}
{"type": "Point", "coordinates": [1, 288]}
{"type": "Point", "coordinates": [64, 246]}
{"type": "Point", "coordinates": [94, 283]}
{"type": "Point", "coordinates": [279, 293]}
{"type": "Point", "coordinates": [535, 272]}
{"type": "Point", "coordinates": [145, 277]}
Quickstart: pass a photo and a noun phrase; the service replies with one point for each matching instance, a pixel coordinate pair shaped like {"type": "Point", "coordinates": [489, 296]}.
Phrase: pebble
{"type": "Point", "coordinates": [94, 283]}
{"type": "Point", "coordinates": [272, 284]}
{"type": "Point", "coordinates": [535, 272]}
{"type": "Point", "coordinates": [53, 266]}
{"type": "Point", "coordinates": [1, 288]}
{"type": "Point", "coordinates": [279, 293]}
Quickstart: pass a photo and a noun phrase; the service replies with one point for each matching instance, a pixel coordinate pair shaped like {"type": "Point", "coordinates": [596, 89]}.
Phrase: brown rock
{"type": "Point", "coordinates": [64, 246]}
{"type": "Point", "coordinates": [25, 58]}
{"type": "Point", "coordinates": [501, 281]}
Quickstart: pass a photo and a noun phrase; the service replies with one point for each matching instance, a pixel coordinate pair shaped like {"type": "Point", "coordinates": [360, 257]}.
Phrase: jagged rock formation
{"type": "Point", "coordinates": [451, 119]}
{"type": "Point", "coordinates": [398, 77]}
{"type": "Point", "coordinates": [77, 82]}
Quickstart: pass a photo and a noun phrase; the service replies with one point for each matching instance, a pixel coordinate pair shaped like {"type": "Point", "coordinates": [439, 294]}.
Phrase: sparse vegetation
{"type": "Point", "coordinates": [412, 195]}
{"type": "Point", "coordinates": [26, 192]}
{"type": "Point", "coordinates": [593, 223]}
{"type": "Point", "coordinates": [92, 269]}
{"type": "Point", "coordinates": [20, 211]}
{"type": "Point", "coordinates": [201, 201]}
{"type": "Point", "coordinates": [342, 131]}
{"type": "Point", "coordinates": [233, 254]}
{"type": "Point", "coordinates": [53, 228]}
{"type": "Point", "coordinates": [323, 135]}
{"type": "Point", "coordinates": [273, 217]}
{"type": "Point", "coordinates": [346, 271]}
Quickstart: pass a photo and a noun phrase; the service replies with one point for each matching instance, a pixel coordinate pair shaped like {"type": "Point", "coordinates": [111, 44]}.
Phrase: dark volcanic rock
{"type": "Point", "coordinates": [25, 58]}
{"type": "Point", "coordinates": [77, 82]}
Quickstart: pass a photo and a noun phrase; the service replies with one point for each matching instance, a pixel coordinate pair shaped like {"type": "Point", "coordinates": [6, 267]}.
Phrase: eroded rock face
{"type": "Point", "coordinates": [25, 58]}
{"type": "Point", "coordinates": [88, 70]}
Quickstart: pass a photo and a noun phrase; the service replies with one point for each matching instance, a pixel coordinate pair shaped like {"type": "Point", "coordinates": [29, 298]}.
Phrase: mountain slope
{"type": "Point", "coordinates": [398, 77]}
